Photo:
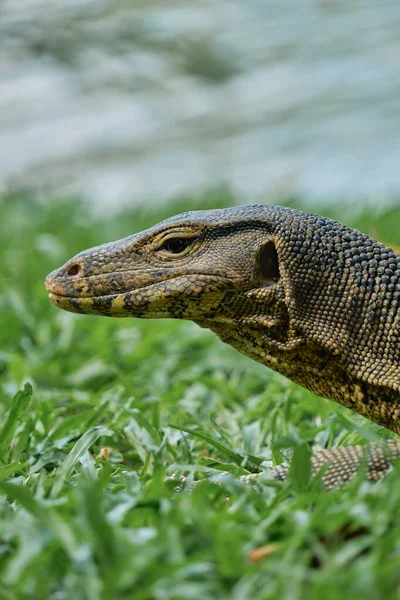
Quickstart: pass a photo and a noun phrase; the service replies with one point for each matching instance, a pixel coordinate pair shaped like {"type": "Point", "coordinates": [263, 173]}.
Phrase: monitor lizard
{"type": "Point", "coordinates": [302, 294]}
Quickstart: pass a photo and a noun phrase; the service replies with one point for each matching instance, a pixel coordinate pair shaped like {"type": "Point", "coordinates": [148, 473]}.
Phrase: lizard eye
{"type": "Point", "coordinates": [176, 245]}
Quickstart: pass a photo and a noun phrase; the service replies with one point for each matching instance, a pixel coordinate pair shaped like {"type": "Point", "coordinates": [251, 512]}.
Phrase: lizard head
{"type": "Point", "coordinates": [309, 297]}
{"type": "Point", "coordinates": [186, 267]}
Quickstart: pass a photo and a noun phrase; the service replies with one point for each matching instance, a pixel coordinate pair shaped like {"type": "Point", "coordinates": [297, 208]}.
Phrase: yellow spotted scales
{"type": "Point", "coordinates": [304, 295]}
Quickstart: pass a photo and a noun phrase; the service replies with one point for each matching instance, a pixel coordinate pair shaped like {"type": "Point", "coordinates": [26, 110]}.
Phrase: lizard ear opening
{"type": "Point", "coordinates": [269, 263]}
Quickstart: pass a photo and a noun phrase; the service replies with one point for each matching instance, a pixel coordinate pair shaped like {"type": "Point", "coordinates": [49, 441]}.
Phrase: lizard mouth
{"type": "Point", "coordinates": [80, 287]}
{"type": "Point", "coordinates": [161, 298]}
{"type": "Point", "coordinates": [111, 304]}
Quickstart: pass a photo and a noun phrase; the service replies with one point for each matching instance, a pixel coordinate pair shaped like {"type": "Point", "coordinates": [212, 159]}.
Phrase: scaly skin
{"type": "Point", "coordinates": [302, 294]}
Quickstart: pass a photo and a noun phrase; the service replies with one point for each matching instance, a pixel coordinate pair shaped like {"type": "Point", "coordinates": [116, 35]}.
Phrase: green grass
{"type": "Point", "coordinates": [96, 413]}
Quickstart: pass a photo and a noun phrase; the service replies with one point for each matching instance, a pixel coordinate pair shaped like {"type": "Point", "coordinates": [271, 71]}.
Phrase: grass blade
{"type": "Point", "coordinates": [18, 406]}
{"type": "Point", "coordinates": [235, 456]}
{"type": "Point", "coordinates": [79, 449]}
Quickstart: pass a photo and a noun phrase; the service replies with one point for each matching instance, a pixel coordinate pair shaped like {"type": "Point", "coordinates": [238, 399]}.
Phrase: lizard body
{"type": "Point", "coordinates": [307, 296]}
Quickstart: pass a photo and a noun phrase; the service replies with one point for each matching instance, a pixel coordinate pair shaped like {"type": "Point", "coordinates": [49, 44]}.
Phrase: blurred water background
{"type": "Point", "coordinates": [135, 101]}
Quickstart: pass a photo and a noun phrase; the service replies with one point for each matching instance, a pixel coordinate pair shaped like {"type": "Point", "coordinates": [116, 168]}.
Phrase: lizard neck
{"type": "Point", "coordinates": [303, 361]}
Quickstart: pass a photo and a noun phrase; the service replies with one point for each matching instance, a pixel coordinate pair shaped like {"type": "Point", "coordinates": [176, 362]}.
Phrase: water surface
{"type": "Point", "coordinates": [136, 101]}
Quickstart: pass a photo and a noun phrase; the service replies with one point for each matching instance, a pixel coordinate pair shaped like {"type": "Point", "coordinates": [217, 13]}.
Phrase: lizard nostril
{"type": "Point", "coordinates": [74, 269]}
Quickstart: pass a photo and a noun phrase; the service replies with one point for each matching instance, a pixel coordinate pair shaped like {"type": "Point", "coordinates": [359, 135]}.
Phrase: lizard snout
{"type": "Point", "coordinates": [65, 281]}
